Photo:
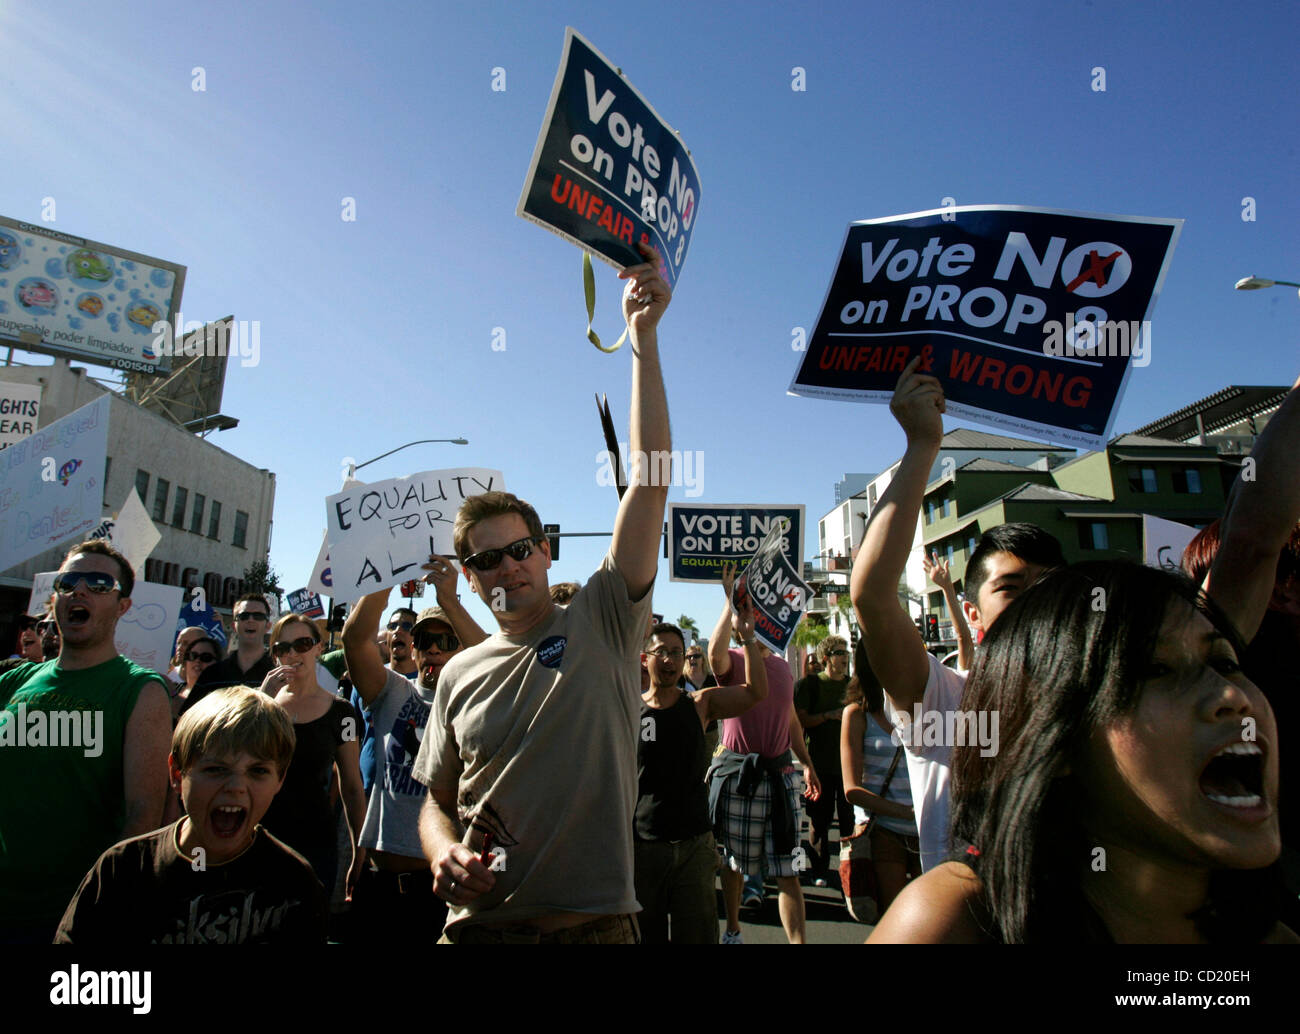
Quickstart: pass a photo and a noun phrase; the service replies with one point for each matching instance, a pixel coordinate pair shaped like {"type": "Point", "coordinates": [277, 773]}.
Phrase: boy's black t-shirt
{"type": "Point", "coordinates": [144, 891]}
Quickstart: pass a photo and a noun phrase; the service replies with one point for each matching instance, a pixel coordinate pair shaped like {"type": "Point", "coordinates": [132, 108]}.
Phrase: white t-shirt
{"type": "Point", "coordinates": [537, 736]}
{"type": "Point", "coordinates": [929, 767]}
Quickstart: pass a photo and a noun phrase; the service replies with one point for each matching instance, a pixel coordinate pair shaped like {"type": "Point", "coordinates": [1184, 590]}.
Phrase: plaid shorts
{"type": "Point", "coordinates": [745, 831]}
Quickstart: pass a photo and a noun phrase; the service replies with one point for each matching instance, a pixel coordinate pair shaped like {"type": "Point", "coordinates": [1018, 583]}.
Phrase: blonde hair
{"type": "Point", "coordinates": [234, 721]}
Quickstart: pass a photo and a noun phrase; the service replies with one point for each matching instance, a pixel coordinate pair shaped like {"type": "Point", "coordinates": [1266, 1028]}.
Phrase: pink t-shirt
{"type": "Point", "coordinates": [765, 728]}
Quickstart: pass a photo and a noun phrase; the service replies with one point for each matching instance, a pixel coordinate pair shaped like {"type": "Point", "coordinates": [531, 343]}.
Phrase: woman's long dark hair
{"type": "Point", "coordinates": [1064, 660]}
{"type": "Point", "coordinates": [864, 688]}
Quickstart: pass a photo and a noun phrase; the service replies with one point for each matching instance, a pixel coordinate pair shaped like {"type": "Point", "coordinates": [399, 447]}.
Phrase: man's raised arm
{"type": "Point", "coordinates": [360, 653]}
{"type": "Point", "coordinates": [893, 644]}
{"type": "Point", "coordinates": [641, 513]}
{"type": "Point", "coordinates": [442, 574]}
{"type": "Point", "coordinates": [1262, 514]}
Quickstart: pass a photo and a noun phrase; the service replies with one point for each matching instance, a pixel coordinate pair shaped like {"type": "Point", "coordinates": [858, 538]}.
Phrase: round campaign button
{"type": "Point", "coordinates": [550, 650]}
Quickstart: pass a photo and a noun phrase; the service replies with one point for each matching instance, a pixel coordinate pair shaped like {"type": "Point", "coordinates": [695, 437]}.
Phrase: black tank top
{"type": "Point", "coordinates": [672, 799]}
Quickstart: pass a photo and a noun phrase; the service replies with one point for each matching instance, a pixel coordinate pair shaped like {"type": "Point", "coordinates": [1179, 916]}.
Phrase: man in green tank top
{"type": "Point", "coordinates": [83, 749]}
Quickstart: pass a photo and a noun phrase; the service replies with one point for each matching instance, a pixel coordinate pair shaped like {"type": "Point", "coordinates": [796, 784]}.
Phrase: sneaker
{"type": "Point", "coordinates": [751, 900]}
{"type": "Point", "coordinates": [819, 882]}
{"type": "Point", "coordinates": [732, 938]}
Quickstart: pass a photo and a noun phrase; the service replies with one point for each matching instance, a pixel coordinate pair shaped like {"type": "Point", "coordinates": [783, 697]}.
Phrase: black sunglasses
{"type": "Point", "coordinates": [205, 658]}
{"type": "Point", "coordinates": [444, 641]}
{"type": "Point", "coordinates": [47, 626]}
{"type": "Point", "coordinates": [300, 645]}
{"type": "Point", "coordinates": [837, 653]}
{"type": "Point", "coordinates": [491, 558]}
{"type": "Point", "coordinates": [252, 615]}
{"type": "Point", "coordinates": [96, 582]}
{"type": "Point", "coordinates": [405, 626]}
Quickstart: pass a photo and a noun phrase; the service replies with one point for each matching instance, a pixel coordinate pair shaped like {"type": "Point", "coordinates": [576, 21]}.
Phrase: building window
{"type": "Point", "coordinates": [947, 506]}
{"type": "Point", "coordinates": [214, 522]}
{"type": "Point", "coordinates": [196, 516]}
{"type": "Point", "coordinates": [1093, 535]}
{"type": "Point", "coordinates": [161, 489]}
{"type": "Point", "coordinates": [241, 529]}
{"type": "Point", "coordinates": [1187, 481]}
{"type": "Point", "coordinates": [948, 552]}
{"type": "Point", "coordinates": [142, 484]}
{"type": "Point", "coordinates": [929, 511]}
{"type": "Point", "coordinates": [971, 543]}
{"type": "Point", "coordinates": [1142, 479]}
{"type": "Point", "coordinates": [178, 510]}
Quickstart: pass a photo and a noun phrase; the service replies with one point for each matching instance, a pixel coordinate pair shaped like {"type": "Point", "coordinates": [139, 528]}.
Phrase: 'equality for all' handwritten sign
{"type": "Point", "coordinates": [380, 533]}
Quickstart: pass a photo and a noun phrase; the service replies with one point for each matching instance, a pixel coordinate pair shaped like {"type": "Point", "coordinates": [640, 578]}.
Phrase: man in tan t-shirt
{"type": "Point", "coordinates": [530, 750]}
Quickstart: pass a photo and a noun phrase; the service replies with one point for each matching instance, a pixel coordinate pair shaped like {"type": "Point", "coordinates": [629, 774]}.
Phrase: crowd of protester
{"type": "Point", "coordinates": [585, 775]}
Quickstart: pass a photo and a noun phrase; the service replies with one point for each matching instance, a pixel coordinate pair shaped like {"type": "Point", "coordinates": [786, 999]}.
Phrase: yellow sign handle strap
{"type": "Point", "coordinates": [589, 290]}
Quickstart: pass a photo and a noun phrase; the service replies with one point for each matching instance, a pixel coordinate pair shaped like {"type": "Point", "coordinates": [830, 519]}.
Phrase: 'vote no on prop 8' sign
{"type": "Point", "coordinates": [608, 172]}
{"type": "Point", "coordinates": [1031, 318]}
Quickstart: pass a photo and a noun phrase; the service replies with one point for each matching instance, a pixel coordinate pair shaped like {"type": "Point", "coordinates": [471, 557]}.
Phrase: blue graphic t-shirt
{"type": "Point", "coordinates": [398, 716]}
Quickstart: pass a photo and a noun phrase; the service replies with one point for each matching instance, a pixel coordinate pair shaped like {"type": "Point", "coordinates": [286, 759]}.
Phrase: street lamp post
{"type": "Point", "coordinates": [1254, 283]}
{"type": "Point", "coordinates": [354, 467]}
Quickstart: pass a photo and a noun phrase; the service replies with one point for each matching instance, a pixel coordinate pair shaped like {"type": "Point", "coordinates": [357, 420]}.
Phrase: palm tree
{"type": "Point", "coordinates": [687, 624]}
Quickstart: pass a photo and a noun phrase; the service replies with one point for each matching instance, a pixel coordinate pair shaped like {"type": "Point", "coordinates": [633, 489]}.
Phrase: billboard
{"type": "Point", "coordinates": [80, 299]}
{"type": "Point", "coordinates": [20, 411]}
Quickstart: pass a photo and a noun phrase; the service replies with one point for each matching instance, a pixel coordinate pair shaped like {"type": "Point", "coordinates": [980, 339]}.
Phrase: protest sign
{"type": "Point", "coordinates": [42, 589]}
{"type": "Point", "coordinates": [145, 633]}
{"type": "Point", "coordinates": [774, 587]}
{"type": "Point", "coordinates": [608, 172]}
{"type": "Point", "coordinates": [1164, 542]}
{"type": "Point", "coordinates": [52, 483]}
{"type": "Point", "coordinates": [322, 577]}
{"type": "Point", "coordinates": [20, 411]}
{"type": "Point", "coordinates": [133, 534]}
{"type": "Point", "coordinates": [1031, 318]}
{"type": "Point", "coordinates": [379, 534]}
{"type": "Point", "coordinates": [198, 613]}
{"type": "Point", "coordinates": [703, 536]}
{"type": "Point", "coordinates": [306, 603]}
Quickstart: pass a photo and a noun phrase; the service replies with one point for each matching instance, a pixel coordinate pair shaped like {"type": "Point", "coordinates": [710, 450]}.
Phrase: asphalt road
{"type": "Point", "coordinates": [828, 920]}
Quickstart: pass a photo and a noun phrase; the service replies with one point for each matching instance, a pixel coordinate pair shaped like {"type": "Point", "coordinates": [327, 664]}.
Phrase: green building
{"type": "Point", "coordinates": [1093, 504]}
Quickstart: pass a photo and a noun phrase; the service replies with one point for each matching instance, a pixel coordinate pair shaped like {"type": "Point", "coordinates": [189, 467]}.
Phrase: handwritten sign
{"type": "Point", "coordinates": [133, 534]}
{"type": "Point", "coordinates": [608, 172]}
{"type": "Point", "coordinates": [51, 483]}
{"type": "Point", "coordinates": [1031, 318]}
{"type": "Point", "coordinates": [20, 411]}
{"type": "Point", "coordinates": [1164, 542]}
{"type": "Point", "coordinates": [704, 536]}
{"type": "Point", "coordinates": [778, 594]}
{"type": "Point", "coordinates": [380, 533]}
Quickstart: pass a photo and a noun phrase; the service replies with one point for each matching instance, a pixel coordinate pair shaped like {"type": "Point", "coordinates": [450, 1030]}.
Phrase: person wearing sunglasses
{"type": "Point", "coordinates": [394, 900]}
{"type": "Point", "coordinates": [325, 727]}
{"type": "Point", "coordinates": [61, 808]}
{"type": "Point", "coordinates": [819, 703]}
{"type": "Point", "coordinates": [201, 652]}
{"type": "Point", "coordinates": [184, 638]}
{"type": "Point", "coordinates": [28, 647]}
{"type": "Point", "coordinates": [249, 662]}
{"type": "Point", "coordinates": [530, 750]}
{"type": "Point", "coordinates": [48, 628]}
{"type": "Point", "coordinates": [676, 858]}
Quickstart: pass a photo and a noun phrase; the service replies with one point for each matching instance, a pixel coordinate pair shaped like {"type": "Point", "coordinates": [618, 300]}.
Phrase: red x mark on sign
{"type": "Point", "coordinates": [1096, 271]}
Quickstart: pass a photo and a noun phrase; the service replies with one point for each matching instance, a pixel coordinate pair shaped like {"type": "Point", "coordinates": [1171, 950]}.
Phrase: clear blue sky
{"type": "Point", "coordinates": [379, 331]}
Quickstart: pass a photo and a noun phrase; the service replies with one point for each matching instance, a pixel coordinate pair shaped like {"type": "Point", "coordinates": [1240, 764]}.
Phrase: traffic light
{"type": "Point", "coordinates": [932, 628]}
{"type": "Point", "coordinates": [553, 536]}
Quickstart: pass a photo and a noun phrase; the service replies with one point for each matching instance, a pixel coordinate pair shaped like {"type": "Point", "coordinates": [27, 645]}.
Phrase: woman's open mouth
{"type": "Point", "coordinates": [1234, 777]}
